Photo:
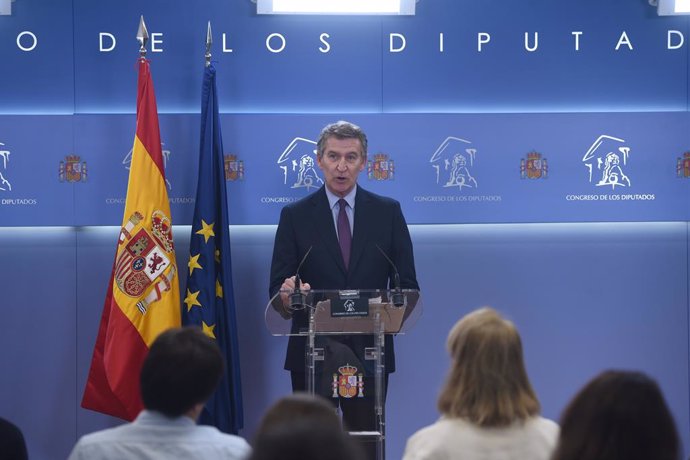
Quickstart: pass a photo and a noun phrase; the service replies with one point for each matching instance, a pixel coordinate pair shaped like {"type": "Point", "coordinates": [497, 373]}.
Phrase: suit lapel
{"type": "Point", "coordinates": [325, 227]}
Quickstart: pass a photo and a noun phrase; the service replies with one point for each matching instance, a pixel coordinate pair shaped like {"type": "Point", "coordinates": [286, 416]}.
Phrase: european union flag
{"type": "Point", "coordinates": [209, 298]}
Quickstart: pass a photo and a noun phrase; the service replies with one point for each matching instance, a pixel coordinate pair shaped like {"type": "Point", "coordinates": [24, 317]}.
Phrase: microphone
{"type": "Point", "coordinates": [297, 297]}
{"type": "Point", "coordinates": [398, 297]}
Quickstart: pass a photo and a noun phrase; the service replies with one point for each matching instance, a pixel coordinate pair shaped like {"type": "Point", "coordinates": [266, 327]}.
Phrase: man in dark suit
{"type": "Point", "coordinates": [341, 225]}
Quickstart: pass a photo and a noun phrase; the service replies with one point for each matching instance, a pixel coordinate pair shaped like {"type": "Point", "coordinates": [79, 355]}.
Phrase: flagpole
{"type": "Point", "coordinates": [142, 37]}
{"type": "Point", "coordinates": [209, 42]}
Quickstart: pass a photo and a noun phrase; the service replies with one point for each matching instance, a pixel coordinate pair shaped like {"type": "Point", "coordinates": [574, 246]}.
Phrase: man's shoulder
{"type": "Point", "coordinates": [234, 446]}
{"type": "Point", "coordinates": [381, 200]}
{"type": "Point", "coordinates": [211, 432]}
{"type": "Point", "coordinates": [98, 441]}
{"type": "Point", "coordinates": [106, 435]}
{"type": "Point", "coordinates": [306, 202]}
{"type": "Point", "coordinates": [128, 439]}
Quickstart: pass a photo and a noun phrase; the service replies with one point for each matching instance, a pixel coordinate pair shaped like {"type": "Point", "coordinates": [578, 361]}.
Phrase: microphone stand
{"type": "Point", "coordinates": [297, 298]}
{"type": "Point", "coordinates": [398, 296]}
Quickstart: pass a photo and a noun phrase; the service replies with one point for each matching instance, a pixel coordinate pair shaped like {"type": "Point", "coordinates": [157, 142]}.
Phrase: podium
{"type": "Point", "coordinates": [329, 322]}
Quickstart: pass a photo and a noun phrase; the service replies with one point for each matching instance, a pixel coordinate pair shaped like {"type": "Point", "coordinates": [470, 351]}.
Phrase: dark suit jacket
{"type": "Point", "coordinates": [309, 223]}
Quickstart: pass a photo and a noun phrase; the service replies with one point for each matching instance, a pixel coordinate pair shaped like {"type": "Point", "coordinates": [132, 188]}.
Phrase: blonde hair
{"type": "Point", "coordinates": [488, 383]}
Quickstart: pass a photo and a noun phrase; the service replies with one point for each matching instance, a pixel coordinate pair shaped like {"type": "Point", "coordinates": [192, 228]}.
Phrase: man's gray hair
{"type": "Point", "coordinates": [341, 130]}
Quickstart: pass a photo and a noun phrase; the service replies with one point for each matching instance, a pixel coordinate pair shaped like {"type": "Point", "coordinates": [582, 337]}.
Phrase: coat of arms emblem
{"type": "Point", "coordinates": [144, 257]}
{"type": "Point", "coordinates": [234, 168]}
{"type": "Point", "coordinates": [683, 166]}
{"type": "Point", "coordinates": [348, 384]}
{"type": "Point", "coordinates": [534, 167]}
{"type": "Point", "coordinates": [72, 169]}
{"type": "Point", "coordinates": [381, 168]}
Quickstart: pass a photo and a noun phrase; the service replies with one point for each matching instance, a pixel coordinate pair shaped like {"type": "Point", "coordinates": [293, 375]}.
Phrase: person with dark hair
{"type": "Point", "coordinates": [300, 406]}
{"type": "Point", "coordinates": [619, 415]}
{"type": "Point", "coordinates": [181, 371]}
{"type": "Point", "coordinates": [305, 440]}
{"type": "Point", "coordinates": [303, 427]}
{"type": "Point", "coordinates": [344, 229]}
{"type": "Point", "coordinates": [12, 443]}
{"type": "Point", "coordinates": [489, 409]}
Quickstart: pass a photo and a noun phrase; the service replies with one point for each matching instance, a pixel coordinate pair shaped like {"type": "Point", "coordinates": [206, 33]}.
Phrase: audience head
{"type": "Point", "coordinates": [303, 427]}
{"type": "Point", "coordinates": [300, 406]}
{"type": "Point", "coordinates": [182, 370]}
{"type": "Point", "coordinates": [304, 440]}
{"type": "Point", "coordinates": [488, 383]}
{"type": "Point", "coordinates": [12, 443]}
{"type": "Point", "coordinates": [618, 415]}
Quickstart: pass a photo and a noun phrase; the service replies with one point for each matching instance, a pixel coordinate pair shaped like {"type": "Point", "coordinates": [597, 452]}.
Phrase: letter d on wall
{"type": "Point", "coordinates": [101, 44]}
{"type": "Point", "coordinates": [401, 40]}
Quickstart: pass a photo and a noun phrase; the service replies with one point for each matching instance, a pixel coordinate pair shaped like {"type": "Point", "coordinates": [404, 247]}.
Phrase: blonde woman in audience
{"type": "Point", "coordinates": [619, 415]}
{"type": "Point", "coordinates": [489, 409]}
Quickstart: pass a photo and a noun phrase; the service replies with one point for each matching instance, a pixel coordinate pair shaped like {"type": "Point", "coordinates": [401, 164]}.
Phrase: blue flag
{"type": "Point", "coordinates": [209, 297]}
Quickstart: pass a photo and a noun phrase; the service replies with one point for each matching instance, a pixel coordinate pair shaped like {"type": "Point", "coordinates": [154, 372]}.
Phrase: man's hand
{"type": "Point", "coordinates": [286, 289]}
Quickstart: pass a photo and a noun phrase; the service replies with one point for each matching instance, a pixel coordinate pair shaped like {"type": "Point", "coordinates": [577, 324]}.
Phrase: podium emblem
{"type": "Point", "coordinates": [348, 384]}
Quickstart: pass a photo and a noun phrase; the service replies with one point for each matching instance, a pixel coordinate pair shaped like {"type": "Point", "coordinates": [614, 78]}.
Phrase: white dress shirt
{"type": "Point", "coordinates": [153, 436]}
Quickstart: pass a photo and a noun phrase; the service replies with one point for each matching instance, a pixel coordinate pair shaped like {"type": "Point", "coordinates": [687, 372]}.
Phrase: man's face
{"type": "Point", "coordinates": [341, 163]}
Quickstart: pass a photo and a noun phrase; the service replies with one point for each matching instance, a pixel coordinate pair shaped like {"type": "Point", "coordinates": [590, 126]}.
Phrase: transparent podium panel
{"type": "Point", "coordinates": [344, 334]}
{"type": "Point", "coordinates": [362, 311]}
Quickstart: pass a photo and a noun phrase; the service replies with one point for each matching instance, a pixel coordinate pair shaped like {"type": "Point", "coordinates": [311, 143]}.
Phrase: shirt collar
{"type": "Point", "coordinates": [333, 198]}
{"type": "Point", "coordinates": [151, 417]}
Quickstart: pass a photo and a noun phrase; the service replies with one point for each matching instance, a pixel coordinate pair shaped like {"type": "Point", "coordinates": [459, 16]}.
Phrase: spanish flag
{"type": "Point", "coordinates": [143, 297]}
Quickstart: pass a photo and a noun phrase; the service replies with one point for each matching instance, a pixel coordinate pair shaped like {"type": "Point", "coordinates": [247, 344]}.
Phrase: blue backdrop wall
{"type": "Point", "coordinates": [532, 99]}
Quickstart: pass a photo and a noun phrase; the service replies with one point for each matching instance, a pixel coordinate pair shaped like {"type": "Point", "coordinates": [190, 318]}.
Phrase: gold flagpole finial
{"type": "Point", "coordinates": [209, 41]}
{"type": "Point", "coordinates": [142, 37]}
